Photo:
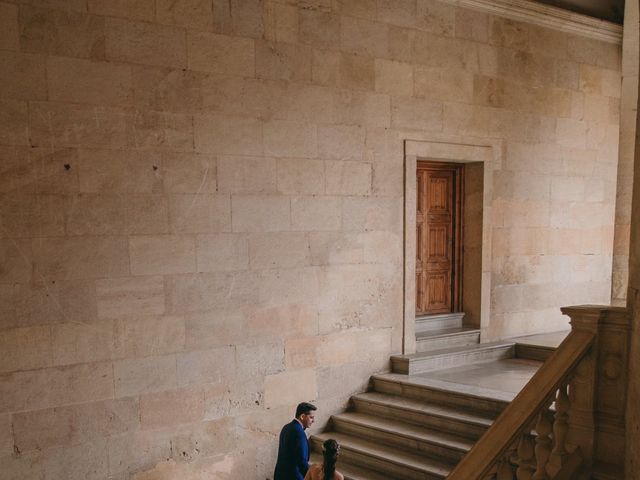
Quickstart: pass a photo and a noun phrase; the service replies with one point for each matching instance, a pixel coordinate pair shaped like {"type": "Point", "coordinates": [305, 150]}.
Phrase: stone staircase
{"type": "Point", "coordinates": [413, 425]}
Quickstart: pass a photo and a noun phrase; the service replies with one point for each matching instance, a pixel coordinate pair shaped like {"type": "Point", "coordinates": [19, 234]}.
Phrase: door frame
{"type": "Point", "coordinates": [458, 226]}
{"type": "Point", "coordinates": [481, 155]}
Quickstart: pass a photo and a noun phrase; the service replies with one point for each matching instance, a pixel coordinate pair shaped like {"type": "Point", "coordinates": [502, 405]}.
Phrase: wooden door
{"type": "Point", "coordinates": [439, 235]}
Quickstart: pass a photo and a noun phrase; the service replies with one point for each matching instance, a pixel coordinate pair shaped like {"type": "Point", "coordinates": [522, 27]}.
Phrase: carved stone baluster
{"type": "Point", "coordinates": [561, 423]}
{"type": "Point", "coordinates": [543, 445]}
{"type": "Point", "coordinates": [526, 458]}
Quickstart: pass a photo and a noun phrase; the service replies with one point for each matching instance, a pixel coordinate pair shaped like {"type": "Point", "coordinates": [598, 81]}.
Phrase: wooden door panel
{"type": "Point", "coordinates": [438, 232]}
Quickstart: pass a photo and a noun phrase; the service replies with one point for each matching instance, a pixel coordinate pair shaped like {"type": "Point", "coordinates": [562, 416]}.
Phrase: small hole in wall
{"type": "Point", "coordinates": [155, 167]}
{"type": "Point", "coordinates": [67, 166]}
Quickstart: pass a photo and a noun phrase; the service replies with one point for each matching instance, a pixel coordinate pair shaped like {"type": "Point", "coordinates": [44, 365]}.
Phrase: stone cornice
{"type": "Point", "coordinates": [547, 16]}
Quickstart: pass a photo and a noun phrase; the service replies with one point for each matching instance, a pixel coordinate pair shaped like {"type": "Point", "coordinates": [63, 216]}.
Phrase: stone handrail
{"type": "Point", "coordinates": [556, 426]}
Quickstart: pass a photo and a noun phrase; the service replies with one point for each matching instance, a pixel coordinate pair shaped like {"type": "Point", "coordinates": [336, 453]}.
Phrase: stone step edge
{"type": "Point", "coordinates": [431, 436]}
{"type": "Point", "coordinates": [454, 351]}
{"type": "Point", "coordinates": [445, 388]}
{"type": "Point", "coordinates": [390, 455]}
{"type": "Point", "coordinates": [447, 333]}
{"type": "Point", "coordinates": [450, 412]}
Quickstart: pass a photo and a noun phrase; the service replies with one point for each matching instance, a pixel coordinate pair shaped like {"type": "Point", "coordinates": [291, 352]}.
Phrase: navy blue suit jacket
{"type": "Point", "coordinates": [293, 453]}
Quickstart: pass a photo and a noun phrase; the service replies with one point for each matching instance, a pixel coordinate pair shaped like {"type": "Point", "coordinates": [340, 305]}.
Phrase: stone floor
{"type": "Point", "coordinates": [501, 379]}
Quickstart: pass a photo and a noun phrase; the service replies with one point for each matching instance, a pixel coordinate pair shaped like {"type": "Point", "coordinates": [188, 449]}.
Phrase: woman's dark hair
{"type": "Point", "coordinates": [330, 454]}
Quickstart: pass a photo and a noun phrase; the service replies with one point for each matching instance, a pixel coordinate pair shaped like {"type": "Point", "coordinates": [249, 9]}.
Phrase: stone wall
{"type": "Point", "coordinates": [201, 211]}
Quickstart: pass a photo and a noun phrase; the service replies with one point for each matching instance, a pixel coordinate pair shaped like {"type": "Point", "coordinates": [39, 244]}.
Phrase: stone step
{"type": "Point", "coordinates": [482, 401]}
{"type": "Point", "coordinates": [451, 357]}
{"type": "Point", "coordinates": [446, 338]}
{"type": "Point", "coordinates": [440, 417]}
{"type": "Point", "coordinates": [388, 461]}
{"type": "Point", "coordinates": [439, 321]}
{"type": "Point", "coordinates": [350, 472]}
{"type": "Point", "coordinates": [533, 352]}
{"type": "Point", "coordinates": [402, 435]}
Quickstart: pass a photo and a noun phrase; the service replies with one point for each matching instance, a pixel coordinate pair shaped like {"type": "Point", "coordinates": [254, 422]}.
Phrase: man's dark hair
{"type": "Point", "coordinates": [304, 408]}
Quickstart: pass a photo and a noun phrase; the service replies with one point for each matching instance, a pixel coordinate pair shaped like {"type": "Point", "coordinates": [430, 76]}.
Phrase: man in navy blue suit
{"type": "Point", "coordinates": [293, 450]}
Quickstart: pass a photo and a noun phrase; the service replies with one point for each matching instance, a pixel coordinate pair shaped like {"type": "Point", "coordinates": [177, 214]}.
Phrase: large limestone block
{"type": "Point", "coordinates": [6, 435]}
{"type": "Point", "coordinates": [215, 328]}
{"type": "Point", "coordinates": [50, 170]}
{"type": "Point", "coordinates": [239, 174]}
{"type": "Point", "coordinates": [162, 254]}
{"type": "Point", "coordinates": [62, 32]}
{"type": "Point", "coordinates": [143, 10]}
{"type": "Point", "coordinates": [193, 14]}
{"type": "Point", "coordinates": [300, 176]}
{"type": "Point", "coordinates": [290, 139]}
{"type": "Point", "coordinates": [356, 72]}
{"type": "Point", "coordinates": [255, 360]}
{"type": "Point", "coordinates": [188, 173]}
{"type": "Point", "coordinates": [74, 424]}
{"type": "Point", "coordinates": [75, 125]}
{"type": "Point", "coordinates": [32, 215]}
{"type": "Point", "coordinates": [145, 43]}
{"type": "Point", "coordinates": [151, 335]}
{"type": "Point", "coordinates": [215, 365]}
{"type": "Point", "coordinates": [53, 301]}
{"type": "Point", "coordinates": [416, 114]}
{"type": "Point", "coordinates": [397, 12]}
{"type": "Point", "coordinates": [260, 213]}
{"type": "Point", "coordinates": [14, 122]}
{"type": "Point", "coordinates": [282, 61]}
{"type": "Point", "coordinates": [51, 387]}
{"type": "Point", "coordinates": [363, 214]}
{"type": "Point", "coordinates": [161, 131]}
{"type": "Point", "coordinates": [341, 142]}
{"type": "Point", "coordinates": [278, 250]}
{"type": "Point", "coordinates": [165, 409]}
{"type": "Point", "coordinates": [472, 25]}
{"type": "Point", "coordinates": [320, 29]}
{"type": "Point", "coordinates": [394, 78]}
{"type": "Point", "coordinates": [121, 297]}
{"type": "Point", "coordinates": [210, 52]}
{"type": "Point", "coordinates": [25, 348]}
{"type": "Point", "coordinates": [111, 171]}
{"type": "Point", "coordinates": [200, 213]}
{"type": "Point", "coordinates": [316, 213]}
{"type": "Point", "coordinates": [134, 451]}
{"type": "Point", "coordinates": [364, 37]}
{"type": "Point", "coordinates": [356, 8]}
{"type": "Point", "coordinates": [281, 22]}
{"type": "Point", "coordinates": [89, 214]}
{"type": "Point", "coordinates": [509, 33]}
{"type": "Point", "coordinates": [242, 18]}
{"type": "Point", "coordinates": [360, 108]}
{"type": "Point", "coordinates": [147, 214]}
{"type": "Point", "coordinates": [83, 81]}
{"type": "Point", "coordinates": [208, 291]}
{"type": "Point", "coordinates": [228, 135]}
{"type": "Point", "coordinates": [348, 178]}
{"type": "Point", "coordinates": [84, 342]}
{"type": "Point", "coordinates": [22, 76]}
{"type": "Point", "coordinates": [289, 388]}
{"type": "Point", "coordinates": [284, 321]}
{"type": "Point", "coordinates": [74, 258]}
{"type": "Point", "coordinates": [222, 252]}
{"type": "Point", "coordinates": [9, 34]}
{"type": "Point", "coordinates": [144, 375]}
{"type": "Point", "coordinates": [295, 285]}
{"type": "Point", "coordinates": [325, 68]}
{"type": "Point", "coordinates": [436, 17]}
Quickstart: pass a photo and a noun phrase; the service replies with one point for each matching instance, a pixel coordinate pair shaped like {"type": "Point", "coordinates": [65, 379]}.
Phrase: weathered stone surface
{"type": "Point", "coordinates": [144, 375]}
{"type": "Point", "coordinates": [144, 43]}
{"type": "Point", "coordinates": [162, 254]}
{"type": "Point", "coordinates": [221, 54]}
{"type": "Point", "coordinates": [260, 213]}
